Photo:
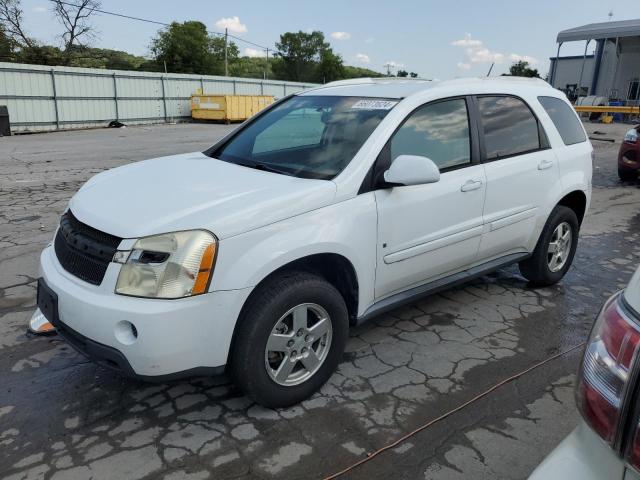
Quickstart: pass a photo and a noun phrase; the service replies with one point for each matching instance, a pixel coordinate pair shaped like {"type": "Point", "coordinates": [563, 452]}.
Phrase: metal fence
{"type": "Point", "coordinates": [41, 98]}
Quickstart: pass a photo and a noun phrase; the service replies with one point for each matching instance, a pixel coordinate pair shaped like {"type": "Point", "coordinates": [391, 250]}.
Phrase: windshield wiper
{"type": "Point", "coordinates": [266, 168]}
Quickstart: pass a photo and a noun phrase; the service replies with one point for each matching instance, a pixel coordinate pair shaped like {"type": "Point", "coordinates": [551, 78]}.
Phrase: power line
{"type": "Point", "coordinates": [140, 19]}
{"type": "Point", "coordinates": [114, 14]}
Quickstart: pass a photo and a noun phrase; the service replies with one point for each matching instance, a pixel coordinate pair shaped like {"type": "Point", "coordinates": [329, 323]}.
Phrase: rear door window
{"type": "Point", "coordinates": [565, 120]}
{"type": "Point", "coordinates": [510, 128]}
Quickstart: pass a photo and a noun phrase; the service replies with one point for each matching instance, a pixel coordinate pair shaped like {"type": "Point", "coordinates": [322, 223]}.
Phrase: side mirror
{"type": "Point", "coordinates": [412, 170]}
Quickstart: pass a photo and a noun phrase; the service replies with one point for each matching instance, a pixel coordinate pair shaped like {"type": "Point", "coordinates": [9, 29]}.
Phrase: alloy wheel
{"type": "Point", "coordinates": [298, 344]}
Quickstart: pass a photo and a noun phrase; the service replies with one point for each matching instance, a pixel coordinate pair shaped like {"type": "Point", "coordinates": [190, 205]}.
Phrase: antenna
{"type": "Point", "coordinates": [490, 68]}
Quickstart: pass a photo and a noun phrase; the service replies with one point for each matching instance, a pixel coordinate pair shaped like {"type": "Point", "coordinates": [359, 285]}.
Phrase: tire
{"type": "Point", "coordinates": [539, 269]}
{"type": "Point", "coordinates": [255, 370]}
{"type": "Point", "coordinates": [627, 175]}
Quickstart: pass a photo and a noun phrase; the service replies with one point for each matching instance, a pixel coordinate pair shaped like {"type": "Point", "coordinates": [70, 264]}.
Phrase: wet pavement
{"type": "Point", "coordinates": [62, 417]}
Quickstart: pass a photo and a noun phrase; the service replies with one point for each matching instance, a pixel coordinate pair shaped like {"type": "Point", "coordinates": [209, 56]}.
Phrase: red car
{"type": "Point", "coordinates": [629, 155]}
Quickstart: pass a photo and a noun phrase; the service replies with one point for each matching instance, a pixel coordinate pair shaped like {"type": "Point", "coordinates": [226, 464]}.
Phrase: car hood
{"type": "Point", "coordinates": [192, 191]}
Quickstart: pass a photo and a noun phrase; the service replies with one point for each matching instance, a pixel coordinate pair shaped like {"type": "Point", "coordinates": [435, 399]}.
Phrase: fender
{"type": "Point", "coordinates": [347, 228]}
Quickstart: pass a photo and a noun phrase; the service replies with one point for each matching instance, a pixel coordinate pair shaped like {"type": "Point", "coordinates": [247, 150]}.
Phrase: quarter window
{"type": "Point", "coordinates": [510, 128]}
{"type": "Point", "coordinates": [565, 120]}
{"type": "Point", "coordinates": [439, 131]}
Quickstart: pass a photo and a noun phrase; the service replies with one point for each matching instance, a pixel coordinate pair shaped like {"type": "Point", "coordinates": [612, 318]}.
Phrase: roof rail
{"type": "Point", "coordinates": [373, 80]}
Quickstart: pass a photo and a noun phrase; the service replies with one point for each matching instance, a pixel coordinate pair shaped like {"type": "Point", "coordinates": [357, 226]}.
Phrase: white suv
{"type": "Point", "coordinates": [322, 211]}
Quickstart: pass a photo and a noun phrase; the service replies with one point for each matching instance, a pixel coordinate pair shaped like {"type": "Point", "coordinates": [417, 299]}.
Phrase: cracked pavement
{"type": "Point", "coordinates": [62, 417]}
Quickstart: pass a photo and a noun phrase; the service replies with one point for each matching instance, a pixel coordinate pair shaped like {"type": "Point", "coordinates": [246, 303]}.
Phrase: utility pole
{"type": "Point", "coordinates": [266, 69]}
{"type": "Point", "coordinates": [226, 43]}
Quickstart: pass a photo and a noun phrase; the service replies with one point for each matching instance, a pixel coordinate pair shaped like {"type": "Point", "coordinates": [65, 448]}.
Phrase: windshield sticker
{"type": "Point", "coordinates": [374, 104]}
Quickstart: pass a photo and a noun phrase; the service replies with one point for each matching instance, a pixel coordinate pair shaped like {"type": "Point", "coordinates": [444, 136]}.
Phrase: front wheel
{"type": "Point", "coordinates": [555, 249]}
{"type": "Point", "coordinates": [290, 339]}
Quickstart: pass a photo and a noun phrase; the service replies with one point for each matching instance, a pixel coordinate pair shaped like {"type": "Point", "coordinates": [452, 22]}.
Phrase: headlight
{"type": "Point", "coordinates": [171, 265]}
{"type": "Point", "coordinates": [631, 136]}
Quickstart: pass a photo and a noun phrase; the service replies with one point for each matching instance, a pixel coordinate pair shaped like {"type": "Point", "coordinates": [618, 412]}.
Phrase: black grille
{"type": "Point", "coordinates": [82, 250]}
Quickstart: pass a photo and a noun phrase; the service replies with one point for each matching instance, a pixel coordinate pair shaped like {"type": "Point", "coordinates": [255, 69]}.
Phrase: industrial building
{"type": "Point", "coordinates": [611, 71]}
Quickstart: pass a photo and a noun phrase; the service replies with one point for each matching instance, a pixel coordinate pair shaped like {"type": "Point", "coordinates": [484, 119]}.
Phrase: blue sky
{"type": "Point", "coordinates": [437, 39]}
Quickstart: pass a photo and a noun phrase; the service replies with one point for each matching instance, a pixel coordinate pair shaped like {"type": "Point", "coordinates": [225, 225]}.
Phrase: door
{"type": "Point", "coordinates": [427, 231]}
{"type": "Point", "coordinates": [520, 169]}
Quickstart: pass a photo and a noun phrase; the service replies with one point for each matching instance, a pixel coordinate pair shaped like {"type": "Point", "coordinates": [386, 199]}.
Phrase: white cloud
{"type": "Point", "coordinates": [254, 53]}
{"type": "Point", "coordinates": [39, 9]}
{"type": "Point", "coordinates": [363, 58]}
{"type": "Point", "coordinates": [467, 41]}
{"type": "Point", "coordinates": [484, 55]}
{"type": "Point", "coordinates": [232, 24]}
{"type": "Point", "coordinates": [341, 35]}
{"type": "Point", "coordinates": [476, 52]}
{"type": "Point", "coordinates": [514, 57]}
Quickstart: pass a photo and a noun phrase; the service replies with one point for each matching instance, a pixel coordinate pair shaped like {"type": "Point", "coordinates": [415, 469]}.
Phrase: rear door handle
{"type": "Point", "coordinates": [544, 164]}
{"type": "Point", "coordinates": [470, 185]}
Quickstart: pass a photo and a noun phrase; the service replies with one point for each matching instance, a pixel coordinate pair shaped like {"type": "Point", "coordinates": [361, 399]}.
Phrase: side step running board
{"type": "Point", "coordinates": [411, 295]}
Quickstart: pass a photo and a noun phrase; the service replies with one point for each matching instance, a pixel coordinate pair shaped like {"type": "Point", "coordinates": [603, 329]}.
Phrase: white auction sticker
{"type": "Point", "coordinates": [374, 104]}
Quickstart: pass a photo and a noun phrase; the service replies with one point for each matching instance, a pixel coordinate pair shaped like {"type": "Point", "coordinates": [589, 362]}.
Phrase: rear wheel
{"type": "Point", "coordinates": [555, 250]}
{"type": "Point", "coordinates": [290, 339]}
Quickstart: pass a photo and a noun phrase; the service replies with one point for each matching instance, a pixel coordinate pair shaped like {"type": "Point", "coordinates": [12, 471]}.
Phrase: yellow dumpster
{"type": "Point", "coordinates": [227, 108]}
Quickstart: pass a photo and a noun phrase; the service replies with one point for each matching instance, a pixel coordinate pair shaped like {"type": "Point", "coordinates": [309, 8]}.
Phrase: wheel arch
{"type": "Point", "coordinates": [333, 267]}
{"type": "Point", "coordinates": [576, 201]}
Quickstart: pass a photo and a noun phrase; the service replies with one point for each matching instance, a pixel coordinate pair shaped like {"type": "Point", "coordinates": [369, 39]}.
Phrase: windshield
{"type": "Point", "coordinates": [307, 136]}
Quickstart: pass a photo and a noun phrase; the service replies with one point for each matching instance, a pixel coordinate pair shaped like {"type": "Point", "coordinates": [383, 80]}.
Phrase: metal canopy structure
{"type": "Point", "coordinates": [596, 31]}
{"type": "Point", "coordinates": [601, 33]}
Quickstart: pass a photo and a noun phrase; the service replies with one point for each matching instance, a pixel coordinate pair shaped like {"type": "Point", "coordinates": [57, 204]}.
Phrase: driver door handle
{"type": "Point", "coordinates": [544, 164]}
{"type": "Point", "coordinates": [470, 185]}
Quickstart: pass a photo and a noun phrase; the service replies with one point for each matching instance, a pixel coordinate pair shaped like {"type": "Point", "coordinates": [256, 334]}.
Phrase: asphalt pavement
{"type": "Point", "coordinates": [63, 417]}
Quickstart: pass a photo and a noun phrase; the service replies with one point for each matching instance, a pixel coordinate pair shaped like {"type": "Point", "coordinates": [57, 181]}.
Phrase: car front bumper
{"type": "Point", "coordinates": [582, 455]}
{"type": "Point", "coordinates": [629, 157]}
{"type": "Point", "coordinates": [183, 337]}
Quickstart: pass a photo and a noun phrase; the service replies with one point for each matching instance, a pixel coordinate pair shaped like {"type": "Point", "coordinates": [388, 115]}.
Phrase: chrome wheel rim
{"type": "Point", "coordinates": [559, 247]}
{"type": "Point", "coordinates": [298, 344]}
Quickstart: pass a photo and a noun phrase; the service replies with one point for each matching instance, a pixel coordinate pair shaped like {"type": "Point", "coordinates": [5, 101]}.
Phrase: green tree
{"type": "Point", "coordinates": [522, 69]}
{"type": "Point", "coordinates": [359, 72]}
{"type": "Point", "coordinates": [217, 50]}
{"type": "Point", "coordinates": [306, 57]}
{"type": "Point", "coordinates": [249, 67]}
{"type": "Point", "coordinates": [329, 67]}
{"type": "Point", "coordinates": [7, 46]}
{"type": "Point", "coordinates": [402, 73]}
{"type": "Point", "coordinates": [104, 58]}
{"type": "Point", "coordinates": [40, 55]}
{"type": "Point", "coordinates": [188, 48]}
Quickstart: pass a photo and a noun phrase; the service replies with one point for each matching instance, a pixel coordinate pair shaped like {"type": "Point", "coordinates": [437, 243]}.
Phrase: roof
{"type": "Point", "coordinates": [392, 87]}
{"type": "Point", "coordinates": [573, 57]}
{"type": "Point", "coordinates": [383, 87]}
{"type": "Point", "coordinates": [594, 31]}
